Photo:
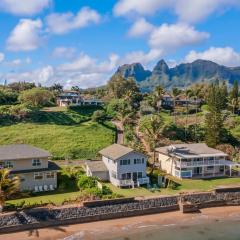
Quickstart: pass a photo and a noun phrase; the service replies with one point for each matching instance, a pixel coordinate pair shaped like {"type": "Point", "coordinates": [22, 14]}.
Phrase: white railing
{"type": "Point", "coordinates": [130, 182]}
{"type": "Point", "coordinates": [126, 182]}
{"type": "Point", "coordinates": [143, 180]}
{"type": "Point", "coordinates": [199, 163]}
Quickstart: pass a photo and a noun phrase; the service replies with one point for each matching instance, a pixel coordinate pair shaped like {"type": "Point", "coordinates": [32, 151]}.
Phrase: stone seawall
{"type": "Point", "coordinates": [44, 217]}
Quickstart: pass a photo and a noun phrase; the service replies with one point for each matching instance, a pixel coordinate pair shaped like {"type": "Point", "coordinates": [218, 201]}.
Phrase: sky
{"type": "Point", "coordinates": [83, 42]}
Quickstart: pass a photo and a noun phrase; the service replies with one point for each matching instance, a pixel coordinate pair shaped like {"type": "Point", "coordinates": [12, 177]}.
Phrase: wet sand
{"type": "Point", "coordinates": [111, 229]}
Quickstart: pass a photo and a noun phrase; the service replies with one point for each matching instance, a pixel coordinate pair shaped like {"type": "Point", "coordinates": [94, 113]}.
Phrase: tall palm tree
{"type": "Point", "coordinates": [158, 93]}
{"type": "Point", "coordinates": [153, 131]}
{"type": "Point", "coordinates": [8, 186]}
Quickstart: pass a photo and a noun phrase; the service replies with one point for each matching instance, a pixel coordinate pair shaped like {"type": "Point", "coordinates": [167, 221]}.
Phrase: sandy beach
{"type": "Point", "coordinates": [115, 228]}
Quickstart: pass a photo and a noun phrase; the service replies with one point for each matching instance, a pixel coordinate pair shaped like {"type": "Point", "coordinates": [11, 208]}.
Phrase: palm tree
{"type": "Point", "coordinates": [158, 93]}
{"type": "Point", "coordinates": [175, 93]}
{"type": "Point", "coordinates": [153, 131]}
{"type": "Point", "coordinates": [8, 186]}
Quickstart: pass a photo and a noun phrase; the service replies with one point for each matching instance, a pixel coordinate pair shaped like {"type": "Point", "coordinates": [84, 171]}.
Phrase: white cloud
{"type": "Point", "coordinates": [142, 7]}
{"type": "Point", "coordinates": [83, 71]}
{"type": "Point", "coordinates": [140, 28]}
{"type": "Point", "coordinates": [170, 37]}
{"type": "Point", "coordinates": [187, 10]}
{"type": "Point", "coordinates": [65, 22]}
{"type": "Point", "coordinates": [24, 7]}
{"type": "Point", "coordinates": [26, 36]}
{"type": "Point", "coordinates": [198, 10]}
{"type": "Point", "coordinates": [64, 52]}
{"type": "Point", "coordinates": [224, 56]}
{"type": "Point", "coordinates": [87, 65]}
{"type": "Point", "coordinates": [2, 57]}
{"type": "Point", "coordinates": [143, 58]}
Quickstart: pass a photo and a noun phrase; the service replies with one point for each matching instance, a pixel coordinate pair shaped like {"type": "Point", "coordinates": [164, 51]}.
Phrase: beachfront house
{"type": "Point", "coordinates": [121, 165]}
{"type": "Point", "coordinates": [31, 165]}
{"type": "Point", "coordinates": [194, 161]}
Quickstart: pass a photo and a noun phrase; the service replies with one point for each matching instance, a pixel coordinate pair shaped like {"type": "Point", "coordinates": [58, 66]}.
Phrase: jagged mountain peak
{"type": "Point", "coordinates": [181, 75]}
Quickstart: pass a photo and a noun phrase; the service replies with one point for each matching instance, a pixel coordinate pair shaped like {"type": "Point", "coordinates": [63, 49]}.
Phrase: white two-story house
{"type": "Point", "coordinates": [124, 166]}
{"type": "Point", "coordinates": [31, 165]}
{"type": "Point", "coordinates": [194, 161]}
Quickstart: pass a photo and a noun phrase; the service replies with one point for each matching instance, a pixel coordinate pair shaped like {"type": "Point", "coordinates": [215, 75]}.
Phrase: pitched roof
{"type": "Point", "coordinates": [189, 150]}
{"type": "Point", "coordinates": [96, 166]}
{"type": "Point", "coordinates": [21, 151]}
{"type": "Point", "coordinates": [115, 151]}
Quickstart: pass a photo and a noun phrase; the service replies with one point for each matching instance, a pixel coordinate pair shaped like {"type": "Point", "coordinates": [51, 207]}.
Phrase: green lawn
{"type": "Point", "coordinates": [186, 185]}
{"type": "Point", "coordinates": [56, 198]}
{"type": "Point", "coordinates": [65, 133]}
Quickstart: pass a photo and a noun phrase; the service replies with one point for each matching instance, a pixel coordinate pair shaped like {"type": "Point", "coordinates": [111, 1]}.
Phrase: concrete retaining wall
{"type": "Point", "coordinates": [100, 210]}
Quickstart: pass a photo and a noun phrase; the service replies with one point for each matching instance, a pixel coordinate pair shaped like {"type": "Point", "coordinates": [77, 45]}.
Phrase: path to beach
{"type": "Point", "coordinates": [114, 228]}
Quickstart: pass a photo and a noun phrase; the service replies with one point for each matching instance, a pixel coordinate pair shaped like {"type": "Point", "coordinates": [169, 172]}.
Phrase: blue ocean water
{"type": "Point", "coordinates": [219, 230]}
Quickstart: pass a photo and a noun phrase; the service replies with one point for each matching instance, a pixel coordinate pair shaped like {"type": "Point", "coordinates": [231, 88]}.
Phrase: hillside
{"type": "Point", "coordinates": [64, 133]}
{"type": "Point", "coordinates": [181, 75]}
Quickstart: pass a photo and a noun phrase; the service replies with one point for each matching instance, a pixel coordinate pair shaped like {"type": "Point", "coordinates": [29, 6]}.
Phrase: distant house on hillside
{"type": "Point", "coordinates": [74, 98]}
{"type": "Point", "coordinates": [31, 165]}
{"type": "Point", "coordinates": [120, 165]}
{"type": "Point", "coordinates": [194, 161]}
{"type": "Point", "coordinates": [69, 98]}
{"type": "Point", "coordinates": [168, 101]}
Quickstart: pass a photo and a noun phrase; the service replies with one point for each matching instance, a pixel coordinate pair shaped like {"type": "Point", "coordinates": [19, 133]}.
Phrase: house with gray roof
{"type": "Point", "coordinates": [194, 161]}
{"type": "Point", "coordinates": [124, 167]}
{"type": "Point", "coordinates": [31, 165]}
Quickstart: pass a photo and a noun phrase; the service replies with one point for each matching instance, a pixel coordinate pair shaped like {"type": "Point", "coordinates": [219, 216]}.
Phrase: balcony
{"type": "Point", "coordinates": [130, 182]}
{"type": "Point", "coordinates": [199, 163]}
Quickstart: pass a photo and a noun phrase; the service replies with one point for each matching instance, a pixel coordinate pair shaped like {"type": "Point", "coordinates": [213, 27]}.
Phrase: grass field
{"type": "Point", "coordinates": [186, 185]}
{"type": "Point", "coordinates": [65, 133]}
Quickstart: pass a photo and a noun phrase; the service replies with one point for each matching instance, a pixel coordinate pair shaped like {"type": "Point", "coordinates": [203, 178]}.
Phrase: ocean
{"type": "Point", "coordinates": [218, 230]}
{"type": "Point", "coordinates": [229, 230]}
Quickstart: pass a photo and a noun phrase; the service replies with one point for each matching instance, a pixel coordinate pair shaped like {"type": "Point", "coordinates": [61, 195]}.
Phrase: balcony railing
{"type": "Point", "coordinates": [199, 163]}
{"type": "Point", "coordinates": [130, 182]}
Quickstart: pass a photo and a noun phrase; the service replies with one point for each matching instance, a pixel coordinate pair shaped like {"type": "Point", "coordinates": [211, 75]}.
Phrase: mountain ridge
{"type": "Point", "coordinates": [182, 75]}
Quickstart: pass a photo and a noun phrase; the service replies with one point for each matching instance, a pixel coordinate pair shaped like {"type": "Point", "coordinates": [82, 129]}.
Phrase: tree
{"type": "Point", "coordinates": [234, 96]}
{"type": "Point", "coordinates": [36, 97]}
{"type": "Point", "coordinates": [56, 88]}
{"type": "Point", "coordinates": [21, 86]}
{"type": "Point", "coordinates": [75, 88]}
{"type": "Point", "coordinates": [214, 118]}
{"type": "Point", "coordinates": [118, 86]}
{"type": "Point", "coordinates": [152, 128]}
{"type": "Point", "coordinates": [175, 93]}
{"type": "Point", "coordinates": [8, 186]}
{"type": "Point", "coordinates": [224, 95]}
{"type": "Point", "coordinates": [99, 116]}
{"type": "Point", "coordinates": [158, 94]}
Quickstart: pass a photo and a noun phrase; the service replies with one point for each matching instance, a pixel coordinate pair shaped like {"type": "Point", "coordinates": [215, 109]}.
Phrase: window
{"type": "Point", "coordinates": [143, 160]}
{"type": "Point", "coordinates": [8, 164]}
{"type": "Point", "coordinates": [210, 167]}
{"type": "Point", "coordinates": [139, 174]}
{"type": "Point", "coordinates": [114, 174]}
{"type": "Point", "coordinates": [36, 162]}
{"type": "Point", "coordinates": [138, 161]}
{"type": "Point", "coordinates": [38, 176]}
{"type": "Point", "coordinates": [50, 175]}
{"type": "Point", "coordinates": [125, 162]}
{"type": "Point", "coordinates": [126, 176]}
